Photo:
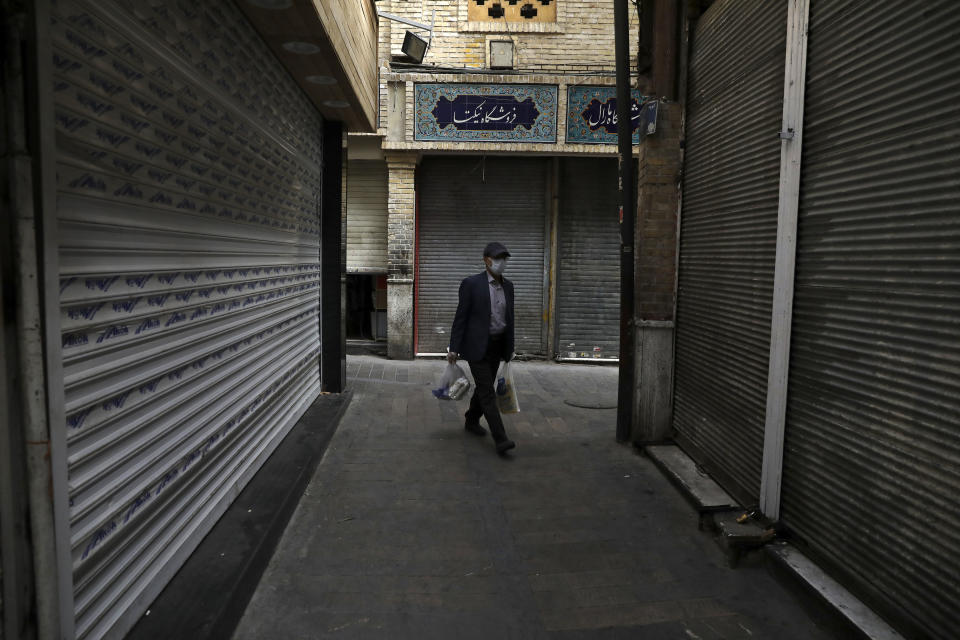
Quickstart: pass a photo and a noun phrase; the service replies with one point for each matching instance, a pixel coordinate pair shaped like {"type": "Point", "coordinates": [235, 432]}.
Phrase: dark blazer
{"type": "Point", "coordinates": [471, 324]}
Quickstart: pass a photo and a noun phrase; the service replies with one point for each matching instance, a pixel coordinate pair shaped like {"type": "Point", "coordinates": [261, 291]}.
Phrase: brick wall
{"type": "Point", "coordinates": [401, 207]}
{"type": "Point", "coordinates": [581, 40]}
{"type": "Point", "coordinates": [656, 228]}
{"type": "Point", "coordinates": [577, 49]}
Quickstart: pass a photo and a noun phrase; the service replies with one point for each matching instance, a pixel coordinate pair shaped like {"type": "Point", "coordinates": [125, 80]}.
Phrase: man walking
{"type": "Point", "coordinates": [482, 334]}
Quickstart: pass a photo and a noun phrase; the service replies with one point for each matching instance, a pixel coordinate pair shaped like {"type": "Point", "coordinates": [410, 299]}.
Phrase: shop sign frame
{"type": "Point", "coordinates": [485, 112]}
{"type": "Point", "coordinates": [592, 114]}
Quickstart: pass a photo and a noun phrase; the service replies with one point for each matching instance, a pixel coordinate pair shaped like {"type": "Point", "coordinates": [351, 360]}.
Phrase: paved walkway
{"type": "Point", "coordinates": [413, 528]}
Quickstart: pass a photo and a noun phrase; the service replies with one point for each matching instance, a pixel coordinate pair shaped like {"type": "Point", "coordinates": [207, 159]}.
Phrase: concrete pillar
{"type": "Point", "coordinates": [656, 273]}
{"type": "Point", "coordinates": [396, 112]}
{"type": "Point", "coordinates": [401, 219]}
{"type": "Point", "coordinates": [664, 45]}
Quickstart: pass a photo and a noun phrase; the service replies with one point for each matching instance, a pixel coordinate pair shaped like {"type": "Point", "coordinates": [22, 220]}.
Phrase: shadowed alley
{"type": "Point", "coordinates": [413, 528]}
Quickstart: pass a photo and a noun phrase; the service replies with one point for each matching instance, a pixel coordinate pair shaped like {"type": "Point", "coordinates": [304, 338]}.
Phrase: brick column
{"type": "Point", "coordinates": [401, 214]}
{"type": "Point", "coordinates": [656, 261]}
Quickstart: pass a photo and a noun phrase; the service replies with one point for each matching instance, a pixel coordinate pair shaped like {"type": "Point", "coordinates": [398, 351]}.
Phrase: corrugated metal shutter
{"type": "Point", "coordinates": [728, 238]}
{"type": "Point", "coordinates": [588, 261]}
{"type": "Point", "coordinates": [367, 217]}
{"type": "Point", "coordinates": [872, 462]}
{"type": "Point", "coordinates": [466, 202]}
{"type": "Point", "coordinates": [188, 173]}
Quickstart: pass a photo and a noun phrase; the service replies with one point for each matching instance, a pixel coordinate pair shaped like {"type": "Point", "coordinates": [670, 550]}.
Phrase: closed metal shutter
{"type": "Point", "coordinates": [466, 202]}
{"type": "Point", "coordinates": [367, 217]}
{"type": "Point", "coordinates": [188, 176]}
{"type": "Point", "coordinates": [588, 260]}
{"type": "Point", "coordinates": [728, 238]}
{"type": "Point", "coordinates": [872, 462]}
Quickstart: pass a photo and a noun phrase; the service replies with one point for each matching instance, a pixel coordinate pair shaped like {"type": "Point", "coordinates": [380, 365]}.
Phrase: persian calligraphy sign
{"type": "Point", "coordinates": [485, 112]}
{"type": "Point", "coordinates": [592, 115]}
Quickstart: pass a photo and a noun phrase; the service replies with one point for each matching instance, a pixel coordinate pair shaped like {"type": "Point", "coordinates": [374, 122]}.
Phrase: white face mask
{"type": "Point", "coordinates": [497, 265]}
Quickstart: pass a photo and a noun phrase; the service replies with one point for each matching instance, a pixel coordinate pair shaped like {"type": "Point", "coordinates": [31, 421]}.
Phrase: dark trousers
{"type": "Point", "coordinates": [484, 399]}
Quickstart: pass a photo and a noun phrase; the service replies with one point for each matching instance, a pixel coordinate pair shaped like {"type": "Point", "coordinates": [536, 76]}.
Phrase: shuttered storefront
{"type": "Point", "coordinates": [872, 462]}
{"type": "Point", "coordinates": [728, 238]}
{"type": "Point", "coordinates": [588, 261]}
{"type": "Point", "coordinates": [367, 217]}
{"type": "Point", "coordinates": [464, 203]}
{"type": "Point", "coordinates": [188, 175]}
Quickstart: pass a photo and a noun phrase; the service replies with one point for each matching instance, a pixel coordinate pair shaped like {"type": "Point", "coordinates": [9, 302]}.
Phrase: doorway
{"type": "Point", "coordinates": [366, 307]}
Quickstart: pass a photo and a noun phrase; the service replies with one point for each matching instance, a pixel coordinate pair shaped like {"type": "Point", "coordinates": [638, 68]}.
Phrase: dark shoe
{"type": "Point", "coordinates": [475, 428]}
{"type": "Point", "coordinates": [506, 445]}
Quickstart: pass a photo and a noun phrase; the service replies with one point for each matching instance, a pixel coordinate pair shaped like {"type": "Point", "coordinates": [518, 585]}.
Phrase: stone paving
{"type": "Point", "coordinates": [414, 528]}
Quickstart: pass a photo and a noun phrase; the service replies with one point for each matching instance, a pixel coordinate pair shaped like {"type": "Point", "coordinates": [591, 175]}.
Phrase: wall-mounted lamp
{"type": "Point", "coordinates": [414, 46]}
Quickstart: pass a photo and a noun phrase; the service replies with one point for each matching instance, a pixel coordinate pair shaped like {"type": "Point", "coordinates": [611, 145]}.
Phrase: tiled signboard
{"type": "Point", "coordinates": [592, 115]}
{"type": "Point", "coordinates": [485, 112]}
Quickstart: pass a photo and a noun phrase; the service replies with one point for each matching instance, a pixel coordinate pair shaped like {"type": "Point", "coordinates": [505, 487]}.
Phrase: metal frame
{"type": "Point", "coordinates": [332, 263]}
{"type": "Point", "coordinates": [44, 432]}
{"type": "Point", "coordinates": [791, 136]}
{"type": "Point", "coordinates": [46, 191]}
{"type": "Point", "coordinates": [626, 388]}
{"type": "Point", "coordinates": [413, 23]}
{"type": "Point", "coordinates": [549, 198]}
{"type": "Point", "coordinates": [553, 238]}
{"type": "Point", "coordinates": [16, 575]}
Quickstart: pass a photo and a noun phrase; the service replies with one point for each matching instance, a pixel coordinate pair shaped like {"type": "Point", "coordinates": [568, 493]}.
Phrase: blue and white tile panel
{"type": "Point", "coordinates": [592, 115]}
{"type": "Point", "coordinates": [485, 112]}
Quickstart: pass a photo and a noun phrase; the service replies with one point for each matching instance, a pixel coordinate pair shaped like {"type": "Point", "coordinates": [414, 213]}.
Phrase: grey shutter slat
{"type": "Point", "coordinates": [728, 238]}
{"type": "Point", "coordinates": [872, 459]}
{"type": "Point", "coordinates": [466, 202]}
{"type": "Point", "coordinates": [189, 243]}
{"type": "Point", "coordinates": [367, 217]}
{"type": "Point", "coordinates": [588, 261]}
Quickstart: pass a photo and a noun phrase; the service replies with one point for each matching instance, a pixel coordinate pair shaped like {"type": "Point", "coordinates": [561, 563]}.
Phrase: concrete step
{"type": "Point", "coordinates": [852, 618]}
{"type": "Point", "coordinates": [701, 490]}
{"type": "Point", "coordinates": [739, 534]}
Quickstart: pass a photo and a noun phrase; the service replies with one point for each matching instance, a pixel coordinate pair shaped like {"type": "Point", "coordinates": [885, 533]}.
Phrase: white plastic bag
{"type": "Point", "coordinates": [453, 385]}
{"type": "Point", "coordinates": [506, 390]}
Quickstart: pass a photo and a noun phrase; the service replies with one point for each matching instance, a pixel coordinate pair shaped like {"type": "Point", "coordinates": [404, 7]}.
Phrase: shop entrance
{"type": "Point", "coordinates": [366, 307]}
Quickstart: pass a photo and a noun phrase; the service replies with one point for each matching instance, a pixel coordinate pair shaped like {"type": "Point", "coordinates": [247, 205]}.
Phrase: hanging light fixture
{"type": "Point", "coordinates": [414, 47]}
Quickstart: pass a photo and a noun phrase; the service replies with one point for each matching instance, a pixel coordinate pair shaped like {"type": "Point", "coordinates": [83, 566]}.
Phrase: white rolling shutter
{"type": "Point", "coordinates": [466, 202]}
{"type": "Point", "coordinates": [367, 217]}
{"type": "Point", "coordinates": [188, 177]}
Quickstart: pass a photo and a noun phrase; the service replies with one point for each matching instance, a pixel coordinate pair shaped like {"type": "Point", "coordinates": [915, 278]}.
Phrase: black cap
{"type": "Point", "coordinates": [495, 249]}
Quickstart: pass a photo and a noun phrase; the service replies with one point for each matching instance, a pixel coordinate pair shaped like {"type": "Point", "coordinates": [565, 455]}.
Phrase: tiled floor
{"type": "Point", "coordinates": [413, 528]}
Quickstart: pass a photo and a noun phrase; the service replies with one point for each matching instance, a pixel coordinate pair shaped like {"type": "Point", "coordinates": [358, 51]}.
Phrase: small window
{"type": "Point", "coordinates": [501, 54]}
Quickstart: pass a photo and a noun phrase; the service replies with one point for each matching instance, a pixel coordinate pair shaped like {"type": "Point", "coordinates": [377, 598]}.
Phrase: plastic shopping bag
{"type": "Point", "coordinates": [507, 391]}
{"type": "Point", "coordinates": [453, 385]}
